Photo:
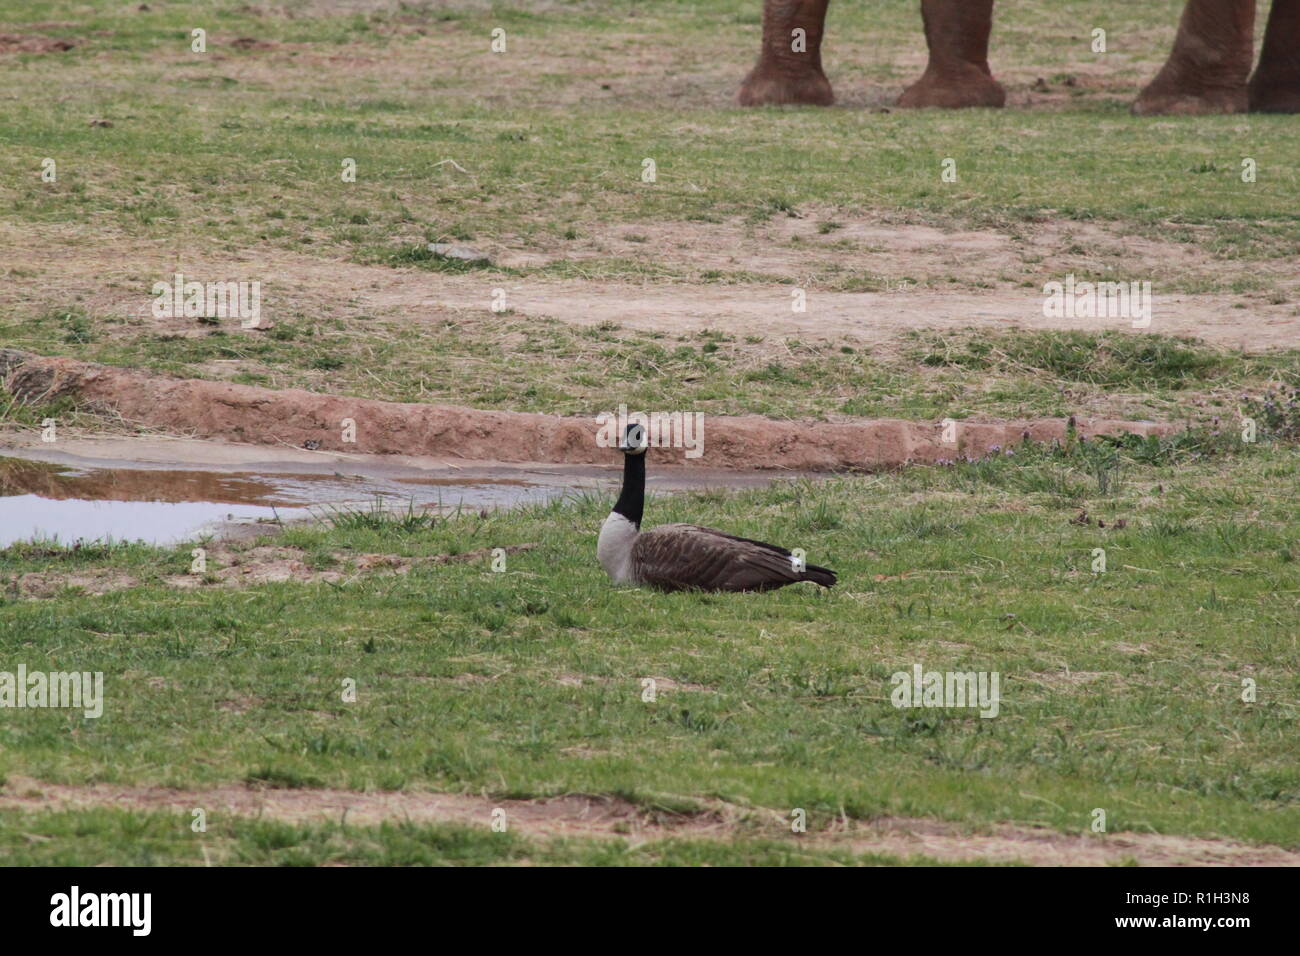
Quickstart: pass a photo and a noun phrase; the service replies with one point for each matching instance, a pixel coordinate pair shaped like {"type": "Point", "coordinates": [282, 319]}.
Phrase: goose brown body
{"type": "Point", "coordinates": [675, 557]}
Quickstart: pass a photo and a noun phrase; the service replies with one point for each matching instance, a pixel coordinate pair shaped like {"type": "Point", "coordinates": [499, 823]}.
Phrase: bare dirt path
{"type": "Point", "coordinates": [610, 818]}
{"type": "Point", "coordinates": [868, 317]}
{"type": "Point", "coordinates": [915, 266]}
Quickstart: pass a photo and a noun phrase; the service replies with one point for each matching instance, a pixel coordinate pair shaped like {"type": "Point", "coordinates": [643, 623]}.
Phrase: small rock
{"type": "Point", "coordinates": [447, 250]}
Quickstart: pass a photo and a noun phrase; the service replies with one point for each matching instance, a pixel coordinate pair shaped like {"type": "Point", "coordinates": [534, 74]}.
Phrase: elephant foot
{"type": "Point", "coordinates": [1270, 95]}
{"type": "Point", "coordinates": [1164, 101]}
{"type": "Point", "coordinates": [1279, 101]}
{"type": "Point", "coordinates": [954, 88]}
{"type": "Point", "coordinates": [1275, 87]}
{"type": "Point", "coordinates": [769, 86]}
{"type": "Point", "coordinates": [1209, 64]}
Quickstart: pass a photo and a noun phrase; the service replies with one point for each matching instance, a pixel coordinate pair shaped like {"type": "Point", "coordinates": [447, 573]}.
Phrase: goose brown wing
{"type": "Point", "coordinates": [675, 557]}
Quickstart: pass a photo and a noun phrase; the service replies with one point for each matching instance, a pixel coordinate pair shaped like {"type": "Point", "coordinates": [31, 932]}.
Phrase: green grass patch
{"type": "Point", "coordinates": [1121, 689]}
{"type": "Point", "coordinates": [1107, 359]}
{"type": "Point", "coordinates": [550, 366]}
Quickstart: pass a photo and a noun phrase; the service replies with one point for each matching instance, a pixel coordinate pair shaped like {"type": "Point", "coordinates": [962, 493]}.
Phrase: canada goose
{"type": "Point", "coordinates": [676, 557]}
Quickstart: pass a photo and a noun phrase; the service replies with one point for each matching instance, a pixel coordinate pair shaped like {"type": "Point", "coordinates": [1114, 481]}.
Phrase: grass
{"type": "Point", "coordinates": [1107, 359]}
{"type": "Point", "coordinates": [546, 365]}
{"type": "Point", "coordinates": [456, 144]}
{"type": "Point", "coordinates": [266, 129]}
{"type": "Point", "coordinates": [159, 839]}
{"type": "Point", "coordinates": [1120, 690]}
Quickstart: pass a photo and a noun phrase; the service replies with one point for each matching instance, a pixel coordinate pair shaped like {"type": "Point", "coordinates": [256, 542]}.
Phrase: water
{"type": "Point", "coordinates": [31, 517]}
{"type": "Point", "coordinates": [47, 495]}
{"type": "Point", "coordinates": [40, 500]}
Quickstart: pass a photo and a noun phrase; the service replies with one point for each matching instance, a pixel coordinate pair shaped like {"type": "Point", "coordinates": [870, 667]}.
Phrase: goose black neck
{"type": "Point", "coordinates": [631, 500]}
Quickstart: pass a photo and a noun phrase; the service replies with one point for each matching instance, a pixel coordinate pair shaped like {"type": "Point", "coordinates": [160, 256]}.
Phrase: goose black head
{"type": "Point", "coordinates": [635, 440]}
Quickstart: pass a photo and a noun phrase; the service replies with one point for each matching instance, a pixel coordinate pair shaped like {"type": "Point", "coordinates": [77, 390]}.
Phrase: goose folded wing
{"type": "Point", "coordinates": [679, 556]}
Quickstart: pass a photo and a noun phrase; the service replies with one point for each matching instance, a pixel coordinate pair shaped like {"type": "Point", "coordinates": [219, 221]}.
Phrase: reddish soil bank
{"type": "Point", "coordinates": [244, 413]}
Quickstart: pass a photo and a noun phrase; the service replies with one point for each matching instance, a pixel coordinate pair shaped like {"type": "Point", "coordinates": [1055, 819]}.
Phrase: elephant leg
{"type": "Point", "coordinates": [789, 68]}
{"type": "Point", "coordinates": [1207, 69]}
{"type": "Point", "coordinates": [1275, 87]}
{"type": "Point", "coordinates": [957, 33]}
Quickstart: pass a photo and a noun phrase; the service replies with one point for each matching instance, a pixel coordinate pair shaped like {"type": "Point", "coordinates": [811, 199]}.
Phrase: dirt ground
{"type": "Point", "coordinates": [231, 566]}
{"type": "Point", "coordinates": [911, 263]}
{"type": "Point", "coordinates": [578, 815]}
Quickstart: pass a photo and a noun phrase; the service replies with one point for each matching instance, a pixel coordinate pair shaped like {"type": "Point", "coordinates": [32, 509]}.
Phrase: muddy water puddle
{"type": "Point", "coordinates": [44, 501]}
{"type": "Point", "coordinates": [61, 497]}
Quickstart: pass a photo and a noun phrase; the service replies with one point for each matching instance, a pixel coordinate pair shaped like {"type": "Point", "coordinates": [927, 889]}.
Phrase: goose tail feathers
{"type": "Point", "coordinates": [819, 575]}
